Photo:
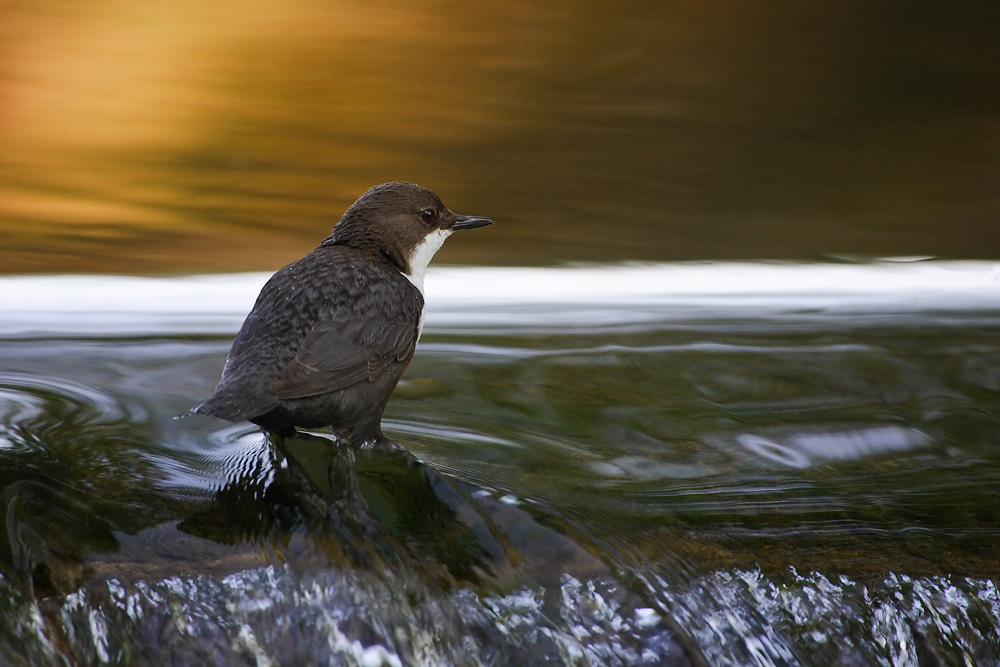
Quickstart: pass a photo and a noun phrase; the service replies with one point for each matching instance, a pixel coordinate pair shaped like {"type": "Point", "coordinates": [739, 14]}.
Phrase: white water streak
{"type": "Point", "coordinates": [470, 298]}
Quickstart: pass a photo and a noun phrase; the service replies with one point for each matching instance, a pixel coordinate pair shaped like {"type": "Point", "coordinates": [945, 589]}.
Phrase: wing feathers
{"type": "Point", "coordinates": [298, 380]}
{"type": "Point", "coordinates": [345, 348]}
{"type": "Point", "coordinates": [326, 322]}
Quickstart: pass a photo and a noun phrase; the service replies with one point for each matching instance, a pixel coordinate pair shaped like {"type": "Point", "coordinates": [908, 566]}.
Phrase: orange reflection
{"type": "Point", "coordinates": [161, 136]}
{"type": "Point", "coordinates": [179, 122]}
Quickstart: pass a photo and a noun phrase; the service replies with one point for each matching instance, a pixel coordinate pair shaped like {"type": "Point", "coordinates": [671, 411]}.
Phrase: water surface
{"type": "Point", "coordinates": [722, 464]}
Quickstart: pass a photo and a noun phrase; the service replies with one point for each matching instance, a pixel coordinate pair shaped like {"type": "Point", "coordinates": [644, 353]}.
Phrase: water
{"type": "Point", "coordinates": [634, 464]}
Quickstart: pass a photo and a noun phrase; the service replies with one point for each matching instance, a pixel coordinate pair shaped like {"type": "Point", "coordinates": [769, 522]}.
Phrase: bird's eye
{"type": "Point", "coordinates": [427, 215]}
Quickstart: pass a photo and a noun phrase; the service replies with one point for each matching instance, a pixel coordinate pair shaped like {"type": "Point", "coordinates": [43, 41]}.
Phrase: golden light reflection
{"type": "Point", "coordinates": [189, 121]}
{"type": "Point", "coordinates": [158, 136]}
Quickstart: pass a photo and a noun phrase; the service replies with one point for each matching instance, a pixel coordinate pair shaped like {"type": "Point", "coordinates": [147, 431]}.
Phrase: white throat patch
{"type": "Point", "coordinates": [422, 255]}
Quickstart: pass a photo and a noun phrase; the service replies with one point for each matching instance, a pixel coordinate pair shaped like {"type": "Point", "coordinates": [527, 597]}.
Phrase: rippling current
{"type": "Point", "coordinates": [642, 464]}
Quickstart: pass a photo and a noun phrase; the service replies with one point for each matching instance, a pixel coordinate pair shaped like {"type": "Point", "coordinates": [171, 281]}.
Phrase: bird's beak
{"type": "Point", "coordinates": [470, 222]}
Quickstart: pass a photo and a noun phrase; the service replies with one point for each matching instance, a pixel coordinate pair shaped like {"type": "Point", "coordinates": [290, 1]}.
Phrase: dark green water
{"type": "Point", "coordinates": [764, 487]}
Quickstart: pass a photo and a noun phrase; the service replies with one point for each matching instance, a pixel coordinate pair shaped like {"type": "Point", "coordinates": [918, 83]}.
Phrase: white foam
{"type": "Point", "coordinates": [597, 296]}
{"type": "Point", "coordinates": [511, 297]}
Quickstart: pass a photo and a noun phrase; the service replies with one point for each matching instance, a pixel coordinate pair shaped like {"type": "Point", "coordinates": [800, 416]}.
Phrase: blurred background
{"type": "Point", "coordinates": [177, 136]}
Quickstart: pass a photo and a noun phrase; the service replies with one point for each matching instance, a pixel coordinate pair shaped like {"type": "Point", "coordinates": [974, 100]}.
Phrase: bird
{"type": "Point", "coordinates": [330, 334]}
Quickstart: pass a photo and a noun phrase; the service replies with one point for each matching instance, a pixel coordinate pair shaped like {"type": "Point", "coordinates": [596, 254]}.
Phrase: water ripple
{"type": "Point", "coordinates": [449, 433]}
{"type": "Point", "coordinates": [28, 403]}
{"type": "Point", "coordinates": [238, 453]}
{"type": "Point", "coordinates": [22, 394]}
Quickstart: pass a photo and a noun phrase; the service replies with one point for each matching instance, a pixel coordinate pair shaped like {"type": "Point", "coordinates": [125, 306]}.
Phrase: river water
{"type": "Point", "coordinates": [688, 463]}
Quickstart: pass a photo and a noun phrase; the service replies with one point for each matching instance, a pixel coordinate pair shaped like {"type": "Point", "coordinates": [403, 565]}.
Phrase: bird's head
{"type": "Point", "coordinates": [402, 222]}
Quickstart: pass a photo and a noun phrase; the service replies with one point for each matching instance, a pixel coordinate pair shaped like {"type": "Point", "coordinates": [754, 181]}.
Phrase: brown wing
{"type": "Point", "coordinates": [322, 323]}
{"type": "Point", "coordinates": [347, 347]}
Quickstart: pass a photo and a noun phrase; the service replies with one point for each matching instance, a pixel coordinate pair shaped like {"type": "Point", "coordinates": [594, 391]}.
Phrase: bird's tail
{"type": "Point", "coordinates": [196, 410]}
{"type": "Point", "coordinates": [224, 406]}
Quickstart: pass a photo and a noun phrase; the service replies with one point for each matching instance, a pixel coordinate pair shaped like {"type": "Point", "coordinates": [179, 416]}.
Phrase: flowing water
{"type": "Point", "coordinates": [634, 464]}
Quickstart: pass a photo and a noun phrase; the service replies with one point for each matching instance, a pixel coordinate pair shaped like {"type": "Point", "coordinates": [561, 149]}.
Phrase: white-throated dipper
{"type": "Point", "coordinates": [331, 334]}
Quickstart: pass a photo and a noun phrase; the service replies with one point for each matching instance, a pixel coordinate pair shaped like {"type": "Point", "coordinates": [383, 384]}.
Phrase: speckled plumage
{"type": "Point", "coordinates": [331, 334]}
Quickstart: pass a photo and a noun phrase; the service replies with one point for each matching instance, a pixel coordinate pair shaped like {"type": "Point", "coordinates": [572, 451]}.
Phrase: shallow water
{"type": "Point", "coordinates": [721, 464]}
